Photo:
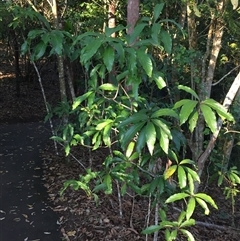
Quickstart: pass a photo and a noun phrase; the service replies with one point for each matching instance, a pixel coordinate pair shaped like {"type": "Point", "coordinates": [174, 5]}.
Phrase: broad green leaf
{"type": "Point", "coordinates": [188, 90]}
{"type": "Point", "coordinates": [120, 55]}
{"type": "Point", "coordinates": [131, 132]}
{"type": "Point", "coordinates": [135, 118]}
{"type": "Point", "coordinates": [187, 161]}
{"type": "Point", "coordinates": [91, 49]}
{"type": "Point", "coordinates": [190, 208]}
{"type": "Point", "coordinates": [196, 10]}
{"type": "Point", "coordinates": [162, 215]}
{"type": "Point", "coordinates": [164, 140]}
{"type": "Point", "coordinates": [40, 50]}
{"type": "Point", "coordinates": [176, 197]}
{"type": "Point", "coordinates": [190, 183]}
{"type": "Point", "coordinates": [134, 156]}
{"type": "Point", "coordinates": [186, 110]}
{"type": "Point", "coordinates": [136, 33]}
{"type": "Point", "coordinates": [108, 182]}
{"type": "Point", "coordinates": [108, 86]}
{"type": "Point", "coordinates": [151, 229]}
{"type": "Point", "coordinates": [97, 143]}
{"type": "Point", "coordinates": [188, 234]}
{"type": "Point", "coordinates": [169, 172]}
{"type": "Point", "coordinates": [182, 178]}
{"type": "Point", "coordinates": [180, 103]}
{"type": "Point", "coordinates": [155, 30]}
{"type": "Point", "coordinates": [130, 149]}
{"type": "Point", "coordinates": [131, 60]}
{"type": "Point", "coordinates": [206, 198]}
{"type": "Point", "coordinates": [122, 75]}
{"type": "Point", "coordinates": [108, 58]}
{"type": "Point", "coordinates": [162, 126]}
{"type": "Point", "coordinates": [188, 223]}
{"type": "Point", "coordinates": [204, 205]}
{"type": "Point", "coordinates": [150, 134]}
{"type": "Point", "coordinates": [167, 41]}
{"type": "Point", "coordinates": [157, 11]}
{"type": "Point", "coordinates": [192, 173]}
{"type": "Point", "coordinates": [220, 109]}
{"type": "Point", "coordinates": [193, 121]}
{"type": "Point", "coordinates": [109, 31]}
{"type": "Point", "coordinates": [165, 112]}
{"type": "Point", "coordinates": [106, 134]}
{"type": "Point", "coordinates": [102, 125]}
{"type": "Point", "coordinates": [157, 77]}
{"type": "Point", "coordinates": [141, 140]}
{"type": "Point", "coordinates": [209, 117]}
{"type": "Point", "coordinates": [145, 62]}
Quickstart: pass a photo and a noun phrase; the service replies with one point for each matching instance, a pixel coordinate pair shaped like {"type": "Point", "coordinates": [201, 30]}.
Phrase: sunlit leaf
{"type": "Point", "coordinates": [193, 121]}
{"type": "Point", "coordinates": [158, 78]}
{"type": "Point", "coordinates": [182, 178]}
{"type": "Point", "coordinates": [193, 174]}
{"type": "Point", "coordinates": [102, 125]}
{"type": "Point", "coordinates": [188, 234]}
{"type": "Point", "coordinates": [176, 197]}
{"type": "Point", "coordinates": [204, 205]}
{"type": "Point", "coordinates": [209, 117]}
{"type": "Point", "coordinates": [130, 149]}
{"type": "Point", "coordinates": [190, 208]}
{"type": "Point", "coordinates": [150, 134]}
{"type": "Point", "coordinates": [207, 198]}
{"type": "Point", "coordinates": [80, 99]}
{"type": "Point", "coordinates": [164, 112]}
{"type": "Point", "coordinates": [169, 172]}
{"type": "Point", "coordinates": [108, 86]}
{"type": "Point", "coordinates": [186, 110]}
{"type": "Point", "coordinates": [167, 41]}
{"type": "Point", "coordinates": [188, 90]}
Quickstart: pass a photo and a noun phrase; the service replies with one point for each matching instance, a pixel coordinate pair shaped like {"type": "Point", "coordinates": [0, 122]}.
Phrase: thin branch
{"type": "Point", "coordinates": [226, 75]}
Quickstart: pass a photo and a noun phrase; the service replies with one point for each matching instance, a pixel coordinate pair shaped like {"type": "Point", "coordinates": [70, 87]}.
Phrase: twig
{"type": "Point", "coordinates": [119, 200]}
{"type": "Point", "coordinates": [155, 237]}
{"type": "Point", "coordinates": [215, 226]}
{"type": "Point", "coordinates": [148, 213]}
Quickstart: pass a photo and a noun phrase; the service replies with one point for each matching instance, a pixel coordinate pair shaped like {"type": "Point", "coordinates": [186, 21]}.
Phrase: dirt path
{"type": "Point", "coordinates": [24, 211]}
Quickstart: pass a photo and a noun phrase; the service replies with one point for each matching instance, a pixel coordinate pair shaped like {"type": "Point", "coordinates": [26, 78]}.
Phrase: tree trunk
{"type": "Point", "coordinates": [111, 15]}
{"type": "Point", "coordinates": [132, 14]}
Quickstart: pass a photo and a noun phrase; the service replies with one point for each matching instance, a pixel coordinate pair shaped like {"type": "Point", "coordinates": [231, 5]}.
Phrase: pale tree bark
{"type": "Point", "coordinates": [112, 15]}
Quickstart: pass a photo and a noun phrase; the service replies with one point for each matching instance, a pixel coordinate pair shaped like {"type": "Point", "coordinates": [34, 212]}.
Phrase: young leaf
{"type": "Point", "coordinates": [207, 198]}
{"type": "Point", "coordinates": [108, 86]}
{"type": "Point", "coordinates": [130, 149]}
{"type": "Point", "coordinates": [157, 77]}
{"type": "Point", "coordinates": [102, 125]}
{"type": "Point", "coordinates": [203, 204]}
{"type": "Point", "coordinates": [164, 140]}
{"type": "Point", "coordinates": [108, 182]}
{"type": "Point", "coordinates": [220, 109]}
{"type": "Point", "coordinates": [176, 197]}
{"type": "Point", "coordinates": [108, 58]}
{"type": "Point", "coordinates": [209, 117]}
{"type": "Point", "coordinates": [80, 99]}
{"type": "Point", "coordinates": [145, 61]}
{"type": "Point", "coordinates": [190, 183]}
{"type": "Point", "coordinates": [190, 208]}
{"type": "Point", "coordinates": [188, 90]}
{"type": "Point", "coordinates": [192, 173]}
{"type": "Point", "coordinates": [188, 234]}
{"type": "Point", "coordinates": [186, 110]}
{"type": "Point", "coordinates": [106, 134]}
{"type": "Point", "coordinates": [169, 172]}
{"type": "Point", "coordinates": [150, 134]}
{"type": "Point", "coordinates": [182, 178]}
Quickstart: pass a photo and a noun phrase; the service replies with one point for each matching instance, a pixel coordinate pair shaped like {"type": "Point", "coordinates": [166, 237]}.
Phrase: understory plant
{"type": "Point", "coordinates": [144, 137]}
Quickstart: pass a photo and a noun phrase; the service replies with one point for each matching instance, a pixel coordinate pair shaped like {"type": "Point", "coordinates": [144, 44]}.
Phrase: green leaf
{"type": "Point", "coordinates": [135, 118]}
{"type": "Point", "coordinates": [204, 205]}
{"type": "Point", "coordinates": [180, 103]}
{"type": "Point", "coordinates": [190, 183]}
{"type": "Point", "coordinates": [164, 112]}
{"type": "Point", "coordinates": [89, 50]}
{"type": "Point", "coordinates": [108, 182]}
{"type": "Point", "coordinates": [130, 149]}
{"type": "Point", "coordinates": [136, 33]}
{"type": "Point", "coordinates": [169, 172]}
{"type": "Point", "coordinates": [102, 125]}
{"type": "Point", "coordinates": [150, 134]}
{"type": "Point", "coordinates": [206, 198]}
{"type": "Point", "coordinates": [188, 223]}
{"type": "Point", "coordinates": [181, 217]}
{"type": "Point", "coordinates": [157, 11]}
{"type": "Point", "coordinates": [141, 140]}
{"type": "Point", "coordinates": [192, 173]}
{"type": "Point", "coordinates": [157, 77]}
{"type": "Point", "coordinates": [186, 110]}
{"type": "Point", "coordinates": [80, 99]}
{"type": "Point", "coordinates": [109, 31]}
{"type": "Point", "coordinates": [108, 58]}
{"type": "Point", "coordinates": [176, 197]}
{"type": "Point", "coordinates": [190, 208]}
{"type": "Point", "coordinates": [210, 117]}
{"type": "Point", "coordinates": [131, 60]}
{"type": "Point", "coordinates": [131, 132]}
{"type": "Point", "coordinates": [187, 234]}
{"type": "Point", "coordinates": [145, 61]}
{"type": "Point", "coordinates": [108, 86]}
{"type": "Point", "coordinates": [187, 161]}
{"type": "Point", "coordinates": [193, 121]}
{"type": "Point", "coordinates": [151, 229]}
{"type": "Point", "coordinates": [40, 50]}
{"type": "Point", "coordinates": [182, 178]}
{"type": "Point", "coordinates": [106, 134]}
{"type": "Point", "coordinates": [164, 141]}
{"type": "Point", "coordinates": [220, 109]}
{"type": "Point", "coordinates": [188, 90]}
{"type": "Point", "coordinates": [162, 126]}
{"type": "Point", "coordinates": [167, 41]}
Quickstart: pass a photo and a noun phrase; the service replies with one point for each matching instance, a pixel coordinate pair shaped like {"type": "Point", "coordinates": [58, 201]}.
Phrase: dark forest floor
{"type": "Point", "coordinates": [79, 217]}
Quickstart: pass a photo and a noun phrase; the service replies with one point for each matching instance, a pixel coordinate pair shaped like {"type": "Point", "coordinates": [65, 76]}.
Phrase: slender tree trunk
{"type": "Point", "coordinates": [111, 15]}
{"type": "Point", "coordinates": [132, 14]}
